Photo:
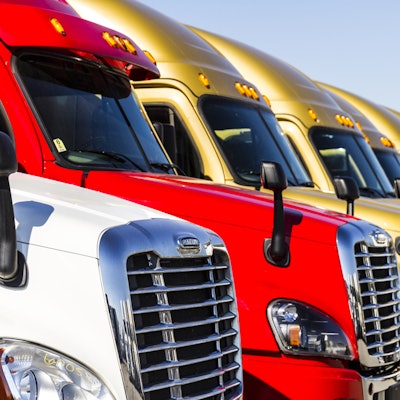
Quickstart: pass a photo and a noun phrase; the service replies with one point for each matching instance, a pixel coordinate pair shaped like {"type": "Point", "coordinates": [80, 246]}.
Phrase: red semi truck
{"type": "Point", "coordinates": [318, 292]}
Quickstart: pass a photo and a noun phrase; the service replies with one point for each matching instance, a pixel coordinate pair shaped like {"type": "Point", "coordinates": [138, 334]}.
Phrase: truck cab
{"type": "Point", "coordinates": [365, 111]}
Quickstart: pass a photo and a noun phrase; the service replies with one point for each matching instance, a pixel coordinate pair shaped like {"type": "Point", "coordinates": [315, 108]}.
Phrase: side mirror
{"type": "Point", "coordinates": [276, 250]}
{"type": "Point", "coordinates": [8, 241]}
{"type": "Point", "coordinates": [346, 189]}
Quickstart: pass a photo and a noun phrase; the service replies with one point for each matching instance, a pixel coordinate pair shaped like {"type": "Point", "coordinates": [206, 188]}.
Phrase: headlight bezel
{"type": "Point", "coordinates": [296, 329]}
{"type": "Point", "coordinates": [27, 368]}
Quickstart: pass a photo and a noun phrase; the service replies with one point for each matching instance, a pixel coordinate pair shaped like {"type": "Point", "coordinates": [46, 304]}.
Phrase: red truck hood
{"type": "Point", "coordinates": [205, 202]}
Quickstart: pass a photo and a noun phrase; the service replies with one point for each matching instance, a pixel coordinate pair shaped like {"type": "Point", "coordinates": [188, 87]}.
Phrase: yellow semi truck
{"type": "Point", "coordinates": [383, 146]}
{"type": "Point", "coordinates": [215, 124]}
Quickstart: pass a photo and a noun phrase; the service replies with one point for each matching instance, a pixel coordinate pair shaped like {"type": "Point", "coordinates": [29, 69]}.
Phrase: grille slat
{"type": "Point", "coordinates": [165, 346]}
{"type": "Point", "coordinates": [186, 326]}
{"type": "Point", "coordinates": [374, 280]}
{"type": "Point", "coordinates": [391, 316]}
{"type": "Point", "coordinates": [198, 378]}
{"type": "Point", "coordinates": [165, 365]}
{"type": "Point", "coordinates": [162, 270]}
{"type": "Point", "coordinates": [158, 308]}
{"type": "Point", "coordinates": [377, 307]}
{"type": "Point", "coordinates": [379, 293]}
{"type": "Point", "coordinates": [162, 327]}
{"type": "Point", "coordinates": [383, 331]}
{"type": "Point", "coordinates": [165, 289]}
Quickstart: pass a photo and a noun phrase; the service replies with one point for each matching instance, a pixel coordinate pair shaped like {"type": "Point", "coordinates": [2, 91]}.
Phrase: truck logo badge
{"type": "Point", "coordinates": [188, 245]}
{"type": "Point", "coordinates": [379, 238]}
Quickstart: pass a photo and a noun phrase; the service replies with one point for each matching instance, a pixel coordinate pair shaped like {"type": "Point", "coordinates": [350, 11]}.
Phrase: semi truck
{"type": "Point", "coordinates": [215, 124]}
{"type": "Point", "coordinates": [383, 147]}
{"type": "Point", "coordinates": [67, 103]}
{"type": "Point", "coordinates": [95, 294]}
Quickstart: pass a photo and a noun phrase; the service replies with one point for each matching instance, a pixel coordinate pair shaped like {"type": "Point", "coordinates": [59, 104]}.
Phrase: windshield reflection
{"type": "Point", "coordinates": [348, 155]}
{"type": "Point", "coordinates": [390, 162]}
{"type": "Point", "coordinates": [89, 113]}
{"type": "Point", "coordinates": [247, 136]}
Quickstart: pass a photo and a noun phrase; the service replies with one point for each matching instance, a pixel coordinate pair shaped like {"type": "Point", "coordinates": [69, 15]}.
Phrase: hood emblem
{"type": "Point", "coordinates": [380, 238]}
{"type": "Point", "coordinates": [188, 245]}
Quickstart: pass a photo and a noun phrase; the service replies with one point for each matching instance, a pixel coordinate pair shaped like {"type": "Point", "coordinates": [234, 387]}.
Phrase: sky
{"type": "Point", "coordinates": [351, 44]}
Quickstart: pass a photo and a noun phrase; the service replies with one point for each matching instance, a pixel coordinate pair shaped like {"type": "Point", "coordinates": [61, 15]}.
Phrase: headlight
{"type": "Point", "coordinates": [32, 372]}
{"type": "Point", "coordinates": [302, 330]}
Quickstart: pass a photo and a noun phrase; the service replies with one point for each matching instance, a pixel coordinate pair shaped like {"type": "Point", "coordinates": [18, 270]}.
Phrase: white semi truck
{"type": "Point", "coordinates": [106, 299]}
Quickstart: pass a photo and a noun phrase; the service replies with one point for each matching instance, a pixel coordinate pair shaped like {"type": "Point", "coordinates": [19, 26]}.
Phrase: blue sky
{"type": "Point", "coordinates": [353, 44]}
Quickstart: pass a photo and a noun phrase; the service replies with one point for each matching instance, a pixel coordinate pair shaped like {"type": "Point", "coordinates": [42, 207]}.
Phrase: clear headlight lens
{"type": "Point", "coordinates": [303, 330]}
{"type": "Point", "coordinates": [32, 372]}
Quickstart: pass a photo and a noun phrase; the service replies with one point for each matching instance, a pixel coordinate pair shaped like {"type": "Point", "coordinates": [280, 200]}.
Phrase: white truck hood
{"type": "Point", "coordinates": [68, 217]}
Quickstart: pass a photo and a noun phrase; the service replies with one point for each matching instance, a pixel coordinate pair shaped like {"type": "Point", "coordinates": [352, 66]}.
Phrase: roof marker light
{"type": "Point", "coordinates": [313, 115]}
{"type": "Point", "coordinates": [150, 56]}
{"type": "Point", "coordinates": [119, 43]}
{"type": "Point", "coordinates": [57, 26]}
{"type": "Point", "coordinates": [204, 80]}
{"type": "Point", "coordinates": [267, 100]}
{"type": "Point", "coordinates": [386, 142]}
{"type": "Point", "coordinates": [239, 87]}
{"type": "Point", "coordinates": [247, 90]}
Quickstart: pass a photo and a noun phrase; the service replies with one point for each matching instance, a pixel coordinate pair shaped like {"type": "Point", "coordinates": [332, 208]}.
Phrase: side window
{"type": "Point", "coordinates": [298, 154]}
{"type": "Point", "coordinates": [176, 139]}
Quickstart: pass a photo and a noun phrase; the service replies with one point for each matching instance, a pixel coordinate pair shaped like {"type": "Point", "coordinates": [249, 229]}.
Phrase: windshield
{"type": "Point", "coordinates": [89, 113]}
{"type": "Point", "coordinates": [390, 162]}
{"type": "Point", "coordinates": [349, 155]}
{"type": "Point", "coordinates": [248, 135]}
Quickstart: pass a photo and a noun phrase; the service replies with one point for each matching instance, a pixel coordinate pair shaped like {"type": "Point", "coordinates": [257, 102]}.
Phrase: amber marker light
{"type": "Point", "coordinates": [313, 115]}
{"type": "Point", "coordinates": [150, 56]}
{"type": "Point", "coordinates": [386, 142]}
{"type": "Point", "coordinates": [130, 48]}
{"type": "Point", "coordinates": [57, 26]}
{"type": "Point", "coordinates": [109, 39]}
{"type": "Point", "coordinates": [254, 93]}
{"type": "Point", "coordinates": [267, 100]}
{"type": "Point", "coordinates": [204, 80]}
{"type": "Point", "coordinates": [339, 119]}
{"type": "Point", "coordinates": [239, 87]}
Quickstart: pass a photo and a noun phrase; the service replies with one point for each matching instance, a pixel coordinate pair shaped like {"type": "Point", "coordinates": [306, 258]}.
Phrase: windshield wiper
{"type": "Point", "coordinates": [306, 184]}
{"type": "Point", "coordinates": [370, 192]}
{"type": "Point", "coordinates": [168, 167]}
{"type": "Point", "coordinates": [115, 156]}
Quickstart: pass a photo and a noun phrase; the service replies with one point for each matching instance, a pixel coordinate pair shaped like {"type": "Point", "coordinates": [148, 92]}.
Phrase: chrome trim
{"type": "Point", "coordinates": [372, 278]}
{"type": "Point", "coordinates": [158, 239]}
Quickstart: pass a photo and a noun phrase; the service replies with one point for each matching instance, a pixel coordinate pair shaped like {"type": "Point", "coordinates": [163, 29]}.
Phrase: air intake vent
{"type": "Point", "coordinates": [186, 326]}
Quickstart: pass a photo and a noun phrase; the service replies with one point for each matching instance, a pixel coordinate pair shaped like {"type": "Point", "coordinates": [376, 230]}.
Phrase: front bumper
{"type": "Point", "coordinates": [282, 378]}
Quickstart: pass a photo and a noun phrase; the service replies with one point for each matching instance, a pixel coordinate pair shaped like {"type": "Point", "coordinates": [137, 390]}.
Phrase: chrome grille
{"type": "Point", "coordinates": [185, 323]}
{"type": "Point", "coordinates": [379, 290]}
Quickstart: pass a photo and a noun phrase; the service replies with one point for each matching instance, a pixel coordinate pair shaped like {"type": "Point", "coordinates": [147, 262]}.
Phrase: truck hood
{"type": "Point", "coordinates": [67, 217]}
{"type": "Point", "coordinates": [207, 203]}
